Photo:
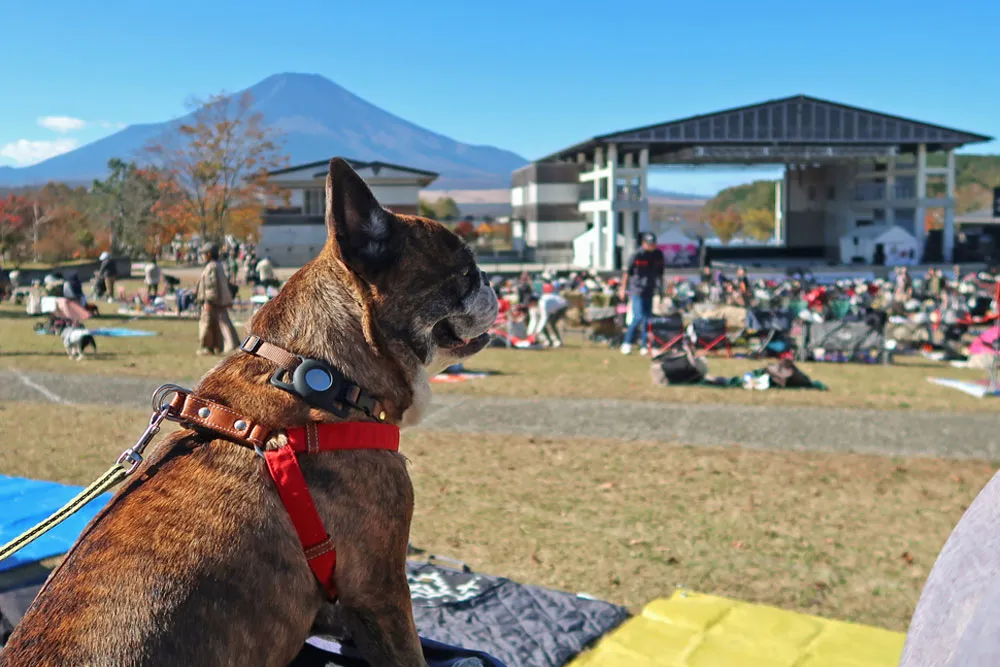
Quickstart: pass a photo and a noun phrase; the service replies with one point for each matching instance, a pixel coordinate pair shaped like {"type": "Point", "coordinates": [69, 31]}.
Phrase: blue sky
{"type": "Point", "coordinates": [531, 77]}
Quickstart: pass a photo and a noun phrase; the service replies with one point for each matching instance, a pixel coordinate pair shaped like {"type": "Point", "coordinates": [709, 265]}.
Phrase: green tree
{"type": "Point", "coordinates": [726, 225]}
{"type": "Point", "coordinates": [758, 223]}
{"type": "Point", "coordinates": [426, 209]}
{"type": "Point", "coordinates": [759, 194]}
{"type": "Point", "coordinates": [125, 200]}
{"type": "Point", "coordinates": [446, 208]}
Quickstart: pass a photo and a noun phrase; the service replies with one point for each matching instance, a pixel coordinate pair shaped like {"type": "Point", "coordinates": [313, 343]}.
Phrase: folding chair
{"type": "Point", "coordinates": [796, 306]}
{"type": "Point", "coordinates": [840, 308]}
{"type": "Point", "coordinates": [768, 326]}
{"type": "Point", "coordinates": [664, 332]}
{"type": "Point", "coordinates": [707, 334]}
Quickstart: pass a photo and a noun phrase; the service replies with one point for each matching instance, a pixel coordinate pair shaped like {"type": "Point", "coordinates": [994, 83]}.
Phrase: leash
{"type": "Point", "coordinates": [126, 464]}
{"type": "Point", "coordinates": [314, 381]}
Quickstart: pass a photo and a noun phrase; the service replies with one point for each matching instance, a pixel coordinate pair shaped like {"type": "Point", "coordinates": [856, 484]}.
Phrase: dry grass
{"type": "Point", "coordinates": [842, 536]}
{"type": "Point", "coordinates": [580, 370]}
{"type": "Point", "coordinates": [592, 371]}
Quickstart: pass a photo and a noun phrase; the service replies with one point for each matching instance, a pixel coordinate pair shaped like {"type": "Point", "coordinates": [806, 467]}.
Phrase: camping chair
{"type": "Point", "coordinates": [707, 334]}
{"type": "Point", "coordinates": [664, 332]}
{"type": "Point", "coordinates": [839, 309]}
{"type": "Point", "coordinates": [769, 327]}
{"type": "Point", "coordinates": [796, 306]}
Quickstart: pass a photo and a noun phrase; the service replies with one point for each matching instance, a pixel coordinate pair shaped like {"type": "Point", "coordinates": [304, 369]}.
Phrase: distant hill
{"type": "Point", "coordinates": [756, 195]}
{"type": "Point", "coordinates": [320, 120]}
{"type": "Point", "coordinates": [975, 178]}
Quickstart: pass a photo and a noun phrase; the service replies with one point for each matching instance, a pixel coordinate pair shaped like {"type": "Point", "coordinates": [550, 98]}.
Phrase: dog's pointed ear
{"type": "Point", "coordinates": [360, 230]}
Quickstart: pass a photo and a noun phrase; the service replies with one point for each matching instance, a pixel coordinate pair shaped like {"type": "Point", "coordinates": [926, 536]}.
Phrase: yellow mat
{"type": "Point", "coordinates": [695, 630]}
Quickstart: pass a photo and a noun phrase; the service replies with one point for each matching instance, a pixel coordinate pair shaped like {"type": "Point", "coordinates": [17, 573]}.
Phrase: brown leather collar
{"type": "Point", "coordinates": [192, 410]}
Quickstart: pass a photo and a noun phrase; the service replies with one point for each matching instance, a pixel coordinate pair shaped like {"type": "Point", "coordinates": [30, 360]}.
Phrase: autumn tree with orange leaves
{"type": "Point", "coordinates": [216, 167]}
{"type": "Point", "coordinates": [15, 211]}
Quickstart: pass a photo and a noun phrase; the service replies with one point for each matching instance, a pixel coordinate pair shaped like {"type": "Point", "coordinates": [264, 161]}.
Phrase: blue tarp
{"type": "Point", "coordinates": [25, 502]}
{"type": "Point", "coordinates": [122, 333]}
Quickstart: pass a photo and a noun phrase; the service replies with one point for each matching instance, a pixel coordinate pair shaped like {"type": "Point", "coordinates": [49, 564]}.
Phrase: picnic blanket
{"type": "Point", "coordinates": [694, 630]}
{"type": "Point", "coordinates": [518, 625]}
{"type": "Point", "coordinates": [26, 502]}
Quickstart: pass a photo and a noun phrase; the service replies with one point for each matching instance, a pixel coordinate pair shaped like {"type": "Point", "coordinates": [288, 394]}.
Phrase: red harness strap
{"type": "Point", "coordinates": [284, 467]}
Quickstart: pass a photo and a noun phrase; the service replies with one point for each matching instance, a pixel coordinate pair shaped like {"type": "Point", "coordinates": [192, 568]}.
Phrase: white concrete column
{"type": "Point", "coordinates": [598, 240]}
{"type": "Point", "coordinates": [644, 224]}
{"type": "Point", "coordinates": [948, 233]}
{"type": "Point", "coordinates": [779, 218]}
{"type": "Point", "coordinates": [611, 236]}
{"type": "Point", "coordinates": [920, 211]}
{"type": "Point", "coordinates": [890, 191]}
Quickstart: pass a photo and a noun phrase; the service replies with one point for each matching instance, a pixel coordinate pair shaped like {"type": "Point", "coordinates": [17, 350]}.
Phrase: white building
{"type": "Point", "coordinates": [544, 211]}
{"type": "Point", "coordinates": [845, 168]}
{"type": "Point", "coordinates": [293, 233]}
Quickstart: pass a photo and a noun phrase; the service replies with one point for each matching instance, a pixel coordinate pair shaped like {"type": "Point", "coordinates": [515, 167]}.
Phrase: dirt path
{"type": "Point", "coordinates": [901, 433]}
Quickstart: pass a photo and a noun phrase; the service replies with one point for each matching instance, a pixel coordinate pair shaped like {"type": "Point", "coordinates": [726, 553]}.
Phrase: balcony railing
{"type": "Point", "coordinates": [877, 192]}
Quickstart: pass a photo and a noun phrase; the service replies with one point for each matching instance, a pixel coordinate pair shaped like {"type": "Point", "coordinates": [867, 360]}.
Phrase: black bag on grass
{"type": "Point", "coordinates": [674, 368]}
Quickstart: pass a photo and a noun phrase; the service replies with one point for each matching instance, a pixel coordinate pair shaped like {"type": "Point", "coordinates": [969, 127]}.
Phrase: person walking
{"type": "Point", "coordinates": [153, 276]}
{"type": "Point", "coordinates": [642, 280]}
{"type": "Point", "coordinates": [215, 330]}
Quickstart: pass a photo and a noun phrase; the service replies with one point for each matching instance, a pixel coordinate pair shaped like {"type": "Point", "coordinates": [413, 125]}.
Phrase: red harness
{"type": "Point", "coordinates": [284, 467]}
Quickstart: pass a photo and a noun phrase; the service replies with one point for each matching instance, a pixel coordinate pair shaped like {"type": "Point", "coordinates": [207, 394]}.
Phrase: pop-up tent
{"type": "Point", "coordinates": [879, 244]}
{"type": "Point", "coordinates": [678, 249]}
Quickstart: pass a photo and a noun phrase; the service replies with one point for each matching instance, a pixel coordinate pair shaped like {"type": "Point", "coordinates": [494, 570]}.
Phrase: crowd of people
{"type": "Point", "coordinates": [944, 304]}
{"type": "Point", "coordinates": [225, 269]}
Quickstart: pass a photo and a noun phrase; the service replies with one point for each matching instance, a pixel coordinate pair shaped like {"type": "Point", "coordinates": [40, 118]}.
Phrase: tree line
{"type": "Point", "coordinates": [207, 178]}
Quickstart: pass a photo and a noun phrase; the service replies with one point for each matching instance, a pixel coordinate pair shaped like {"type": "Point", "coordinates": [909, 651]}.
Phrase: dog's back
{"type": "Point", "coordinates": [196, 562]}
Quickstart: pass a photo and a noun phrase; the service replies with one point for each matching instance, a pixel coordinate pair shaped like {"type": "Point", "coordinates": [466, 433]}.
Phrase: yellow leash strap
{"type": "Point", "coordinates": [113, 476]}
{"type": "Point", "coordinates": [123, 467]}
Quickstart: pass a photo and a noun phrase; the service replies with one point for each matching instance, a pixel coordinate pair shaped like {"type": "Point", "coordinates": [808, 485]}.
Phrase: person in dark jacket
{"type": "Point", "coordinates": [108, 274]}
{"type": "Point", "coordinates": [73, 289]}
{"type": "Point", "coordinates": [642, 280]}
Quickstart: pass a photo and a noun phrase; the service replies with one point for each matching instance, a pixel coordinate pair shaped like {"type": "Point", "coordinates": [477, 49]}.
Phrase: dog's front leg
{"type": "Point", "coordinates": [380, 620]}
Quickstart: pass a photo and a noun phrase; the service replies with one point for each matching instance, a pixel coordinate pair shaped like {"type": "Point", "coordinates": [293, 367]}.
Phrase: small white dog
{"type": "Point", "coordinates": [76, 340]}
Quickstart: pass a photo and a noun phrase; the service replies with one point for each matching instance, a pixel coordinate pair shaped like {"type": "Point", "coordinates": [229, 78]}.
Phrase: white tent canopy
{"type": "Point", "coordinates": [861, 245]}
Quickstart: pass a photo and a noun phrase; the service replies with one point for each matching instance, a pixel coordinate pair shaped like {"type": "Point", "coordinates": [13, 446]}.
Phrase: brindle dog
{"type": "Point", "coordinates": [195, 561]}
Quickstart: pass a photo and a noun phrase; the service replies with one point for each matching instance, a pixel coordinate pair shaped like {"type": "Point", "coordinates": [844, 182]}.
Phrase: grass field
{"type": "Point", "coordinates": [842, 536]}
{"type": "Point", "coordinates": [579, 370]}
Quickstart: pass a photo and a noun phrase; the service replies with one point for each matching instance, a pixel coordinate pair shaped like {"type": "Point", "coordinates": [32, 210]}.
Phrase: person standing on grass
{"type": "Point", "coordinates": [107, 274]}
{"type": "Point", "coordinates": [642, 280]}
{"type": "Point", "coordinates": [265, 273]}
{"type": "Point", "coordinates": [215, 330]}
{"type": "Point", "coordinates": [152, 279]}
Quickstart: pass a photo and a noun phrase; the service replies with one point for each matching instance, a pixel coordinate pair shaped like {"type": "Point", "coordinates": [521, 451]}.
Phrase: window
{"type": "Point", "coordinates": [831, 192]}
{"type": "Point", "coordinates": [313, 202]}
{"type": "Point", "coordinates": [812, 193]}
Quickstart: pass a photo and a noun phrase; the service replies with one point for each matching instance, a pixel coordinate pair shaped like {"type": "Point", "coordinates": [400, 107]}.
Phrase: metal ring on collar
{"type": "Point", "coordinates": [163, 392]}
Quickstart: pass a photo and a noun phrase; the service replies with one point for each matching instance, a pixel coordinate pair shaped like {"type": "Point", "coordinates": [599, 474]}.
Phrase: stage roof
{"type": "Point", "coordinates": [778, 131]}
